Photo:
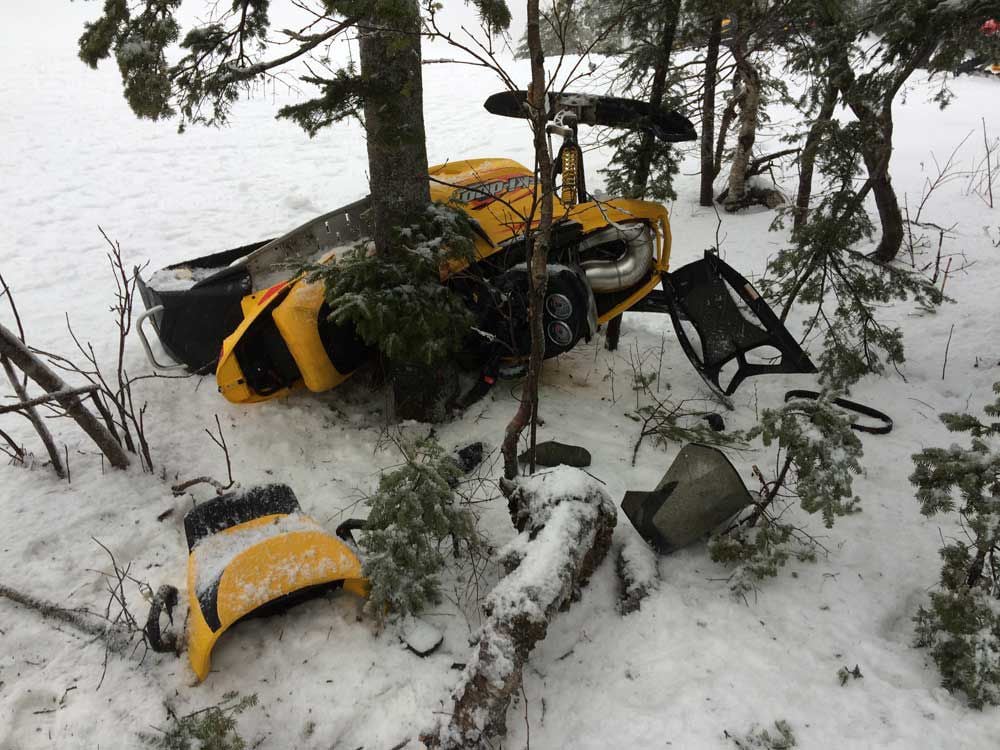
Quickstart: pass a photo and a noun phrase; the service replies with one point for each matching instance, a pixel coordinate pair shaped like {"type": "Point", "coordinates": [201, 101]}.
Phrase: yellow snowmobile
{"type": "Point", "coordinates": [266, 330]}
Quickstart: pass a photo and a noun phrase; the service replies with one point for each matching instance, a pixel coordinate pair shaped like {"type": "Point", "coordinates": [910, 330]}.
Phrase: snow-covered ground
{"type": "Point", "coordinates": [691, 664]}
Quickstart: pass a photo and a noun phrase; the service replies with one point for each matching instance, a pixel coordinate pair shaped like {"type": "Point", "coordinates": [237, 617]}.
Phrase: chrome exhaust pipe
{"type": "Point", "coordinates": [630, 268]}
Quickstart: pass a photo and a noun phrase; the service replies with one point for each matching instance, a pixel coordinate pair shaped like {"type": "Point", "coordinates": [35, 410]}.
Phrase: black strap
{"type": "Point", "coordinates": [857, 408]}
{"type": "Point", "coordinates": [346, 529]}
{"type": "Point", "coordinates": [487, 379]}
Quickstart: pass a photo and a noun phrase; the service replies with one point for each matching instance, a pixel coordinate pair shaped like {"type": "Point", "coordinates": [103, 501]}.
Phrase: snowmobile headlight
{"type": "Point", "coordinates": [560, 333]}
{"type": "Point", "coordinates": [559, 306]}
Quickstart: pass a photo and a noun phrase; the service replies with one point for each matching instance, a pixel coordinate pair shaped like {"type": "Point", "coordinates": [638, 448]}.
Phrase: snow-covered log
{"type": "Point", "coordinates": [638, 572]}
{"type": "Point", "coordinates": [566, 520]}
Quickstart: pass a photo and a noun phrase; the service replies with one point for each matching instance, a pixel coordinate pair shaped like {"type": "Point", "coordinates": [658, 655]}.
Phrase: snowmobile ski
{"type": "Point", "coordinates": [603, 111]}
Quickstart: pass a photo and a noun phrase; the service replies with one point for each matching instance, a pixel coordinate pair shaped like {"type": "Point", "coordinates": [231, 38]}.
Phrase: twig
{"type": "Point", "coordinates": [947, 346]}
{"type": "Point", "coordinates": [24, 405]}
{"type": "Point", "coordinates": [944, 279]}
{"type": "Point", "coordinates": [527, 725]}
{"type": "Point", "coordinates": [180, 487]}
{"type": "Point", "coordinates": [989, 166]}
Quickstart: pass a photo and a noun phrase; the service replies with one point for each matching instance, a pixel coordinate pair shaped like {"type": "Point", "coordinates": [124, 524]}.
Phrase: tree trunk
{"type": "Point", "coordinates": [671, 9]}
{"type": "Point", "coordinates": [394, 119]}
{"type": "Point", "coordinates": [397, 167]}
{"type": "Point", "coordinates": [749, 112]}
{"type": "Point", "coordinates": [707, 197]}
{"type": "Point", "coordinates": [724, 124]}
{"type": "Point", "coordinates": [876, 150]}
{"type": "Point", "coordinates": [646, 146]}
{"type": "Point", "coordinates": [877, 153]}
{"type": "Point", "coordinates": [539, 252]}
{"type": "Point", "coordinates": [807, 161]}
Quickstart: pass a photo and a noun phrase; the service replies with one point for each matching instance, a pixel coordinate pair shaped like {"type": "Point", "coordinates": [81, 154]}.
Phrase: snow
{"type": "Point", "coordinates": [213, 553]}
{"type": "Point", "coordinates": [419, 635]}
{"type": "Point", "coordinates": [690, 664]}
{"type": "Point", "coordinates": [179, 279]}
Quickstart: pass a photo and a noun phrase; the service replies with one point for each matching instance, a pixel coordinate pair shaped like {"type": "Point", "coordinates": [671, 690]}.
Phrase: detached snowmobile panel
{"type": "Point", "coordinates": [252, 553]}
{"type": "Point", "coordinates": [731, 320]}
{"type": "Point", "coordinates": [700, 490]}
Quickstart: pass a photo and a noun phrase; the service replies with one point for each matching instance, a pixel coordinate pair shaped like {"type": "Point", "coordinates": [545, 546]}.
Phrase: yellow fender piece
{"type": "Point", "coordinates": [254, 549]}
{"type": "Point", "coordinates": [296, 317]}
{"type": "Point", "coordinates": [229, 375]}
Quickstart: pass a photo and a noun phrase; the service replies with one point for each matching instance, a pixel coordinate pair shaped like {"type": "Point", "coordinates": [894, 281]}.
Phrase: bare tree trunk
{"type": "Point", "coordinates": [807, 161]}
{"type": "Point", "coordinates": [539, 252]}
{"type": "Point", "coordinates": [876, 150]}
{"type": "Point", "coordinates": [749, 113]}
{"type": "Point", "coordinates": [707, 197]}
{"type": "Point", "coordinates": [12, 348]}
{"type": "Point", "coordinates": [877, 153]}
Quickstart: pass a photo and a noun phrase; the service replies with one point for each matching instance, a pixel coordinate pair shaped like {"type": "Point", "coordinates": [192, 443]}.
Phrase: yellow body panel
{"type": "Point", "coordinates": [274, 567]}
{"type": "Point", "coordinates": [228, 374]}
{"type": "Point", "coordinates": [296, 318]}
{"type": "Point", "coordinates": [499, 195]}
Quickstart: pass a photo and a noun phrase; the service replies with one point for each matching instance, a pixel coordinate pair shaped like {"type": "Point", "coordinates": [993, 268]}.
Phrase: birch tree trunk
{"type": "Point", "coordinates": [749, 113]}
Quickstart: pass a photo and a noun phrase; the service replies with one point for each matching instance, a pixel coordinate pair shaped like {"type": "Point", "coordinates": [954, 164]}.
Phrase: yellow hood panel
{"type": "Point", "coordinates": [240, 569]}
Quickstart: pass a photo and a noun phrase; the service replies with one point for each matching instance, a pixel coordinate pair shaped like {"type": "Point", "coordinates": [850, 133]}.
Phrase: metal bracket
{"type": "Point", "coordinates": [145, 342]}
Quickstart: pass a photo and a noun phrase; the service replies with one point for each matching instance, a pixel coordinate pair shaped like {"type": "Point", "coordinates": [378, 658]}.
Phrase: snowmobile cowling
{"type": "Point", "coordinates": [253, 553]}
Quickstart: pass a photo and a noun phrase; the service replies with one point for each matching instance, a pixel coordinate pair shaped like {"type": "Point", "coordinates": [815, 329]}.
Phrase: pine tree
{"type": "Point", "coordinates": [413, 513]}
{"type": "Point", "coordinates": [641, 165]}
{"type": "Point", "coordinates": [575, 27]}
{"type": "Point", "coordinates": [961, 626]}
{"type": "Point", "coordinates": [818, 456]}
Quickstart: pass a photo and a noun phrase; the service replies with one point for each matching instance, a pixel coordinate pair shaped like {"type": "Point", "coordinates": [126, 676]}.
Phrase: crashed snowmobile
{"type": "Point", "coordinates": [266, 329]}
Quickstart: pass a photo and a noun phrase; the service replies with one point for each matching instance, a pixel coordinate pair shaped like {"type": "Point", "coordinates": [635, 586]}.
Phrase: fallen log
{"type": "Point", "coordinates": [13, 349]}
{"type": "Point", "coordinates": [638, 572]}
{"type": "Point", "coordinates": [566, 520]}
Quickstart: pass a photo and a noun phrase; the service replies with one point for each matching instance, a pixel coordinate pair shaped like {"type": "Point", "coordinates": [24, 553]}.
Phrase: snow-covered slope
{"type": "Point", "coordinates": [691, 664]}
